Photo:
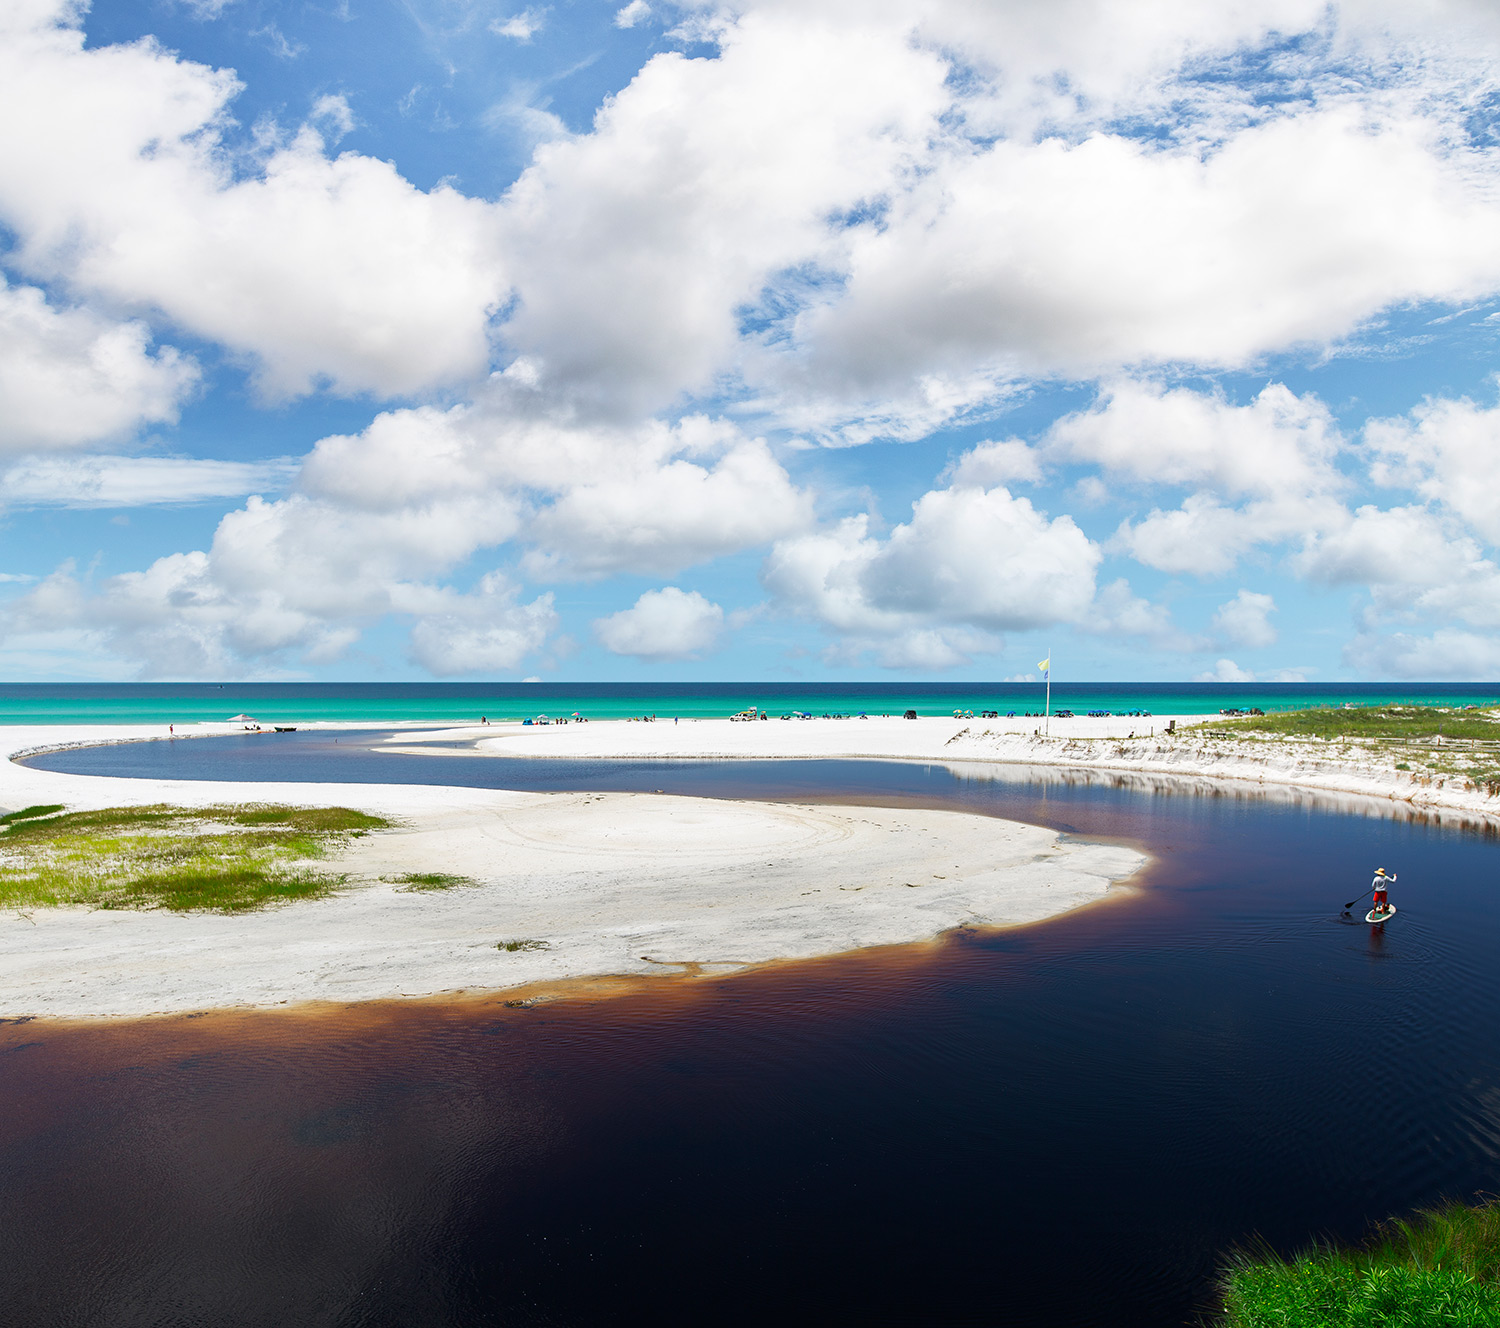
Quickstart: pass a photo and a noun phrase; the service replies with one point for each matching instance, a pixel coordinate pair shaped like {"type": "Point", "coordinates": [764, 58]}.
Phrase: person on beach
{"type": "Point", "coordinates": [1381, 906]}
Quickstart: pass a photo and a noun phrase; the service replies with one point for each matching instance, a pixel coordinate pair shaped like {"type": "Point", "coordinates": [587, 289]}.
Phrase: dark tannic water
{"type": "Point", "coordinates": [1066, 1124]}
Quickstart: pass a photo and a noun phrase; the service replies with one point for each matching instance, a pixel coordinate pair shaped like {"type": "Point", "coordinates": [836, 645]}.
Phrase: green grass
{"type": "Point", "coordinates": [512, 946]}
{"type": "Point", "coordinates": [428, 880]}
{"type": "Point", "coordinates": [1373, 722]}
{"type": "Point", "coordinates": [227, 859]}
{"type": "Point", "coordinates": [1440, 1268]}
{"type": "Point", "coordinates": [27, 813]}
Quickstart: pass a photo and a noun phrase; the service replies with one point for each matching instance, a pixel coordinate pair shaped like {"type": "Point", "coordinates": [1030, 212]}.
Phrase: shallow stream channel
{"type": "Point", "coordinates": [1072, 1123]}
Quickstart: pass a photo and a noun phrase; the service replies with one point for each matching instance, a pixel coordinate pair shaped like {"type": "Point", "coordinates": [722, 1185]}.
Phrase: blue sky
{"type": "Point", "coordinates": [435, 338]}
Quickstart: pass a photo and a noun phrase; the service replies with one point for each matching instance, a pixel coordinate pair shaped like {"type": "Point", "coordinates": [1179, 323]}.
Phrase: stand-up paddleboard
{"type": "Point", "coordinates": [1373, 916]}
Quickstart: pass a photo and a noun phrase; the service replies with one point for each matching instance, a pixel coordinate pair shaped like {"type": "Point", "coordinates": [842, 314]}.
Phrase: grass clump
{"type": "Point", "coordinates": [29, 813]}
{"type": "Point", "coordinates": [511, 947]}
{"type": "Point", "coordinates": [227, 859]}
{"type": "Point", "coordinates": [1442, 1267]}
{"type": "Point", "coordinates": [428, 880]}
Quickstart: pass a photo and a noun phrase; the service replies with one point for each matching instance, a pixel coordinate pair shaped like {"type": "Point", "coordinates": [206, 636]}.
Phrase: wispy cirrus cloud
{"type": "Point", "coordinates": [139, 481]}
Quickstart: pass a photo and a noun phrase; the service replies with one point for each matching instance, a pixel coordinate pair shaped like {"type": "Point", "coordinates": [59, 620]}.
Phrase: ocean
{"type": "Point", "coordinates": [307, 702]}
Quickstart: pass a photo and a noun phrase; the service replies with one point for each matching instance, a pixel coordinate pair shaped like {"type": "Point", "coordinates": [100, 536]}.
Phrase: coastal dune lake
{"type": "Point", "coordinates": [1069, 1123]}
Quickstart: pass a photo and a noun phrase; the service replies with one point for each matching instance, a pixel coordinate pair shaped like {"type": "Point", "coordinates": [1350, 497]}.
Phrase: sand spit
{"type": "Point", "coordinates": [1138, 746]}
{"type": "Point", "coordinates": [602, 883]}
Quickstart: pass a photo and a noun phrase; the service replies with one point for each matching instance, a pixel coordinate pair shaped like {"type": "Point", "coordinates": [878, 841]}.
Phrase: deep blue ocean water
{"type": "Point", "coordinates": [1066, 1124]}
{"type": "Point", "coordinates": [184, 703]}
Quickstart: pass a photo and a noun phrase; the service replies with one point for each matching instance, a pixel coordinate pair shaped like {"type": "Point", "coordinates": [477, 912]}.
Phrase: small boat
{"type": "Point", "coordinates": [285, 728]}
{"type": "Point", "coordinates": [1373, 916]}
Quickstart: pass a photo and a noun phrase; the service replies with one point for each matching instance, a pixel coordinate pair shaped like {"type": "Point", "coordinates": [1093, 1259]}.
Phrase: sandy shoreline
{"type": "Point", "coordinates": [610, 884]}
{"type": "Point", "coordinates": [623, 884]}
{"type": "Point", "coordinates": [1116, 744]}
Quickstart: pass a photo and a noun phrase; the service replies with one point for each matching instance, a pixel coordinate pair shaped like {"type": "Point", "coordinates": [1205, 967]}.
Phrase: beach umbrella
{"type": "Point", "coordinates": [236, 719]}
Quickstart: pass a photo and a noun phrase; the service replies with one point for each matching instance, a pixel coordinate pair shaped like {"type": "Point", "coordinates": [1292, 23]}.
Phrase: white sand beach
{"type": "Point", "coordinates": [1122, 744]}
{"type": "Point", "coordinates": [609, 883]}
{"type": "Point", "coordinates": [626, 883]}
{"type": "Point", "coordinates": [1117, 743]}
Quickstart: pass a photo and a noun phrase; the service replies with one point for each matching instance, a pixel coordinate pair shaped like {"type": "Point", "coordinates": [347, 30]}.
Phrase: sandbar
{"type": "Point", "coordinates": [599, 884]}
{"type": "Point", "coordinates": [1120, 744]}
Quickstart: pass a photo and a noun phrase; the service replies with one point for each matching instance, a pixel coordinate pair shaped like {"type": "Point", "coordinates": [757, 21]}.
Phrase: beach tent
{"type": "Point", "coordinates": [242, 719]}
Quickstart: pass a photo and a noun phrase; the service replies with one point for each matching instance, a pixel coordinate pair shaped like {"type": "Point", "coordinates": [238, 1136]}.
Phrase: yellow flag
{"type": "Point", "coordinates": [1045, 664]}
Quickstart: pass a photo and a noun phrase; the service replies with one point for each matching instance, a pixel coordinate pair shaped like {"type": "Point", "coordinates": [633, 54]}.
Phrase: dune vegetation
{"type": "Point", "coordinates": [1432, 742]}
{"type": "Point", "coordinates": [1385, 722]}
{"type": "Point", "coordinates": [1439, 1269]}
{"type": "Point", "coordinates": [226, 859]}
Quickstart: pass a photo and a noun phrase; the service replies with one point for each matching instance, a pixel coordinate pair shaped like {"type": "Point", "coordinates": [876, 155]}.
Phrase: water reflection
{"type": "Point", "coordinates": [388, 756]}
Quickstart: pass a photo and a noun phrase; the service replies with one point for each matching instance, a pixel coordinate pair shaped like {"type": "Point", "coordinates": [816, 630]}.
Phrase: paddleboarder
{"type": "Point", "coordinates": [1382, 907]}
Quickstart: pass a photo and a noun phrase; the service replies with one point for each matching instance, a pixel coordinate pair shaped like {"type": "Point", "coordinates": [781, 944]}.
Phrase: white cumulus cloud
{"type": "Point", "coordinates": [596, 499]}
{"type": "Point", "coordinates": [666, 516]}
{"type": "Point", "coordinates": [1261, 473]}
{"type": "Point", "coordinates": [69, 377]}
{"type": "Point", "coordinates": [1245, 620]}
{"type": "Point", "coordinates": [1226, 670]}
{"type": "Point", "coordinates": [1446, 450]}
{"type": "Point", "coordinates": [663, 624]}
{"type": "Point", "coordinates": [486, 631]}
{"type": "Point", "coordinates": [296, 580]}
{"type": "Point", "coordinates": [1084, 258]}
{"type": "Point", "coordinates": [318, 269]}
{"type": "Point", "coordinates": [1118, 611]}
{"type": "Point", "coordinates": [637, 245]}
{"type": "Point", "coordinates": [937, 589]}
{"type": "Point", "coordinates": [1008, 461]}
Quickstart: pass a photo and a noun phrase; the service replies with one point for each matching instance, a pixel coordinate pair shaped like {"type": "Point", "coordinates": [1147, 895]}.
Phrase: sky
{"type": "Point", "coordinates": [760, 340]}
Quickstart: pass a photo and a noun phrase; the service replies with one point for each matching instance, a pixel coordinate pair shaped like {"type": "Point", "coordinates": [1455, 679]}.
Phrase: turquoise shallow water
{"type": "Point", "coordinates": [185, 703]}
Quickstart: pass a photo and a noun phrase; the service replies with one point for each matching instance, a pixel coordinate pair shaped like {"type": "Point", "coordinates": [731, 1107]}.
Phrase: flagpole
{"type": "Point", "coordinates": [1048, 729]}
